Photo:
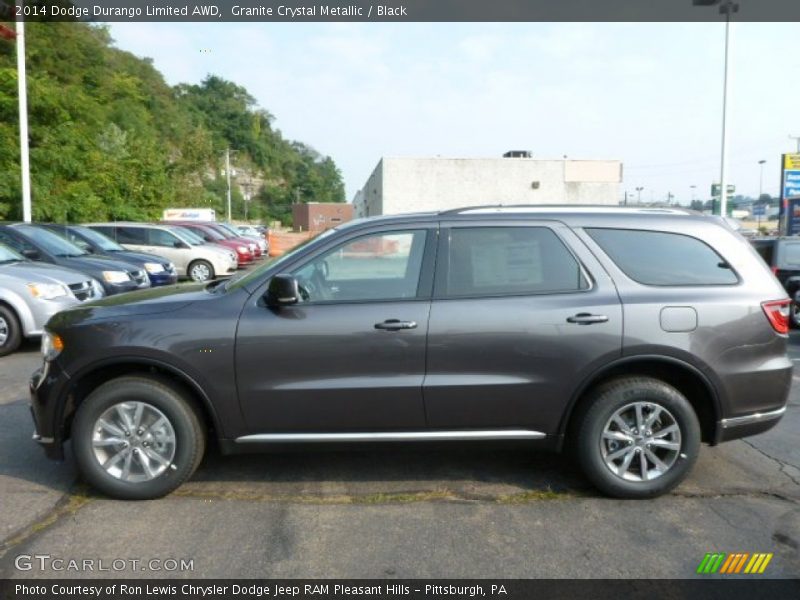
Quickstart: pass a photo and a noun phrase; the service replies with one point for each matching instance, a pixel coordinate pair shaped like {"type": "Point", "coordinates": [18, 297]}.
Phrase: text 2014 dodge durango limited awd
{"type": "Point", "coordinates": [627, 335]}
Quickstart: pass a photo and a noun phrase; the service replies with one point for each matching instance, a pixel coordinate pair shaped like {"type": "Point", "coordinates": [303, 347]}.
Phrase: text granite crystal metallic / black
{"type": "Point", "coordinates": [628, 335]}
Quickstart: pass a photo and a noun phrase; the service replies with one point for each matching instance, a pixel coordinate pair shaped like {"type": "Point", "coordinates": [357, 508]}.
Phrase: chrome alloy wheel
{"type": "Point", "coordinates": [134, 441]}
{"type": "Point", "coordinates": [200, 273]}
{"type": "Point", "coordinates": [4, 331]}
{"type": "Point", "coordinates": [640, 442]}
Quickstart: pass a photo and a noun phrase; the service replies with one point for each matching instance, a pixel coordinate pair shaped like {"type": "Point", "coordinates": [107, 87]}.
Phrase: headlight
{"type": "Point", "coordinates": [252, 247]}
{"type": "Point", "coordinates": [47, 291]}
{"type": "Point", "coordinates": [52, 345]}
{"type": "Point", "coordinates": [241, 250]}
{"type": "Point", "coordinates": [116, 276]}
{"type": "Point", "coordinates": [154, 267]}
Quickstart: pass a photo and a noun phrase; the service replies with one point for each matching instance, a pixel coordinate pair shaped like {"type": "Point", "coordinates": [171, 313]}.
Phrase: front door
{"type": "Point", "coordinates": [521, 313]}
{"type": "Point", "coordinates": [351, 355]}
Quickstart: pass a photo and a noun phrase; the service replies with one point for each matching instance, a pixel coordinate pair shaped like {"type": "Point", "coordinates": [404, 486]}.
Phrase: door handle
{"type": "Point", "coordinates": [396, 325]}
{"type": "Point", "coordinates": [587, 319]}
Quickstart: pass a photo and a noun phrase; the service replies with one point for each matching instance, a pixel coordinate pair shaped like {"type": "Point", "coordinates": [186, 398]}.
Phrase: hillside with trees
{"type": "Point", "coordinates": [110, 140]}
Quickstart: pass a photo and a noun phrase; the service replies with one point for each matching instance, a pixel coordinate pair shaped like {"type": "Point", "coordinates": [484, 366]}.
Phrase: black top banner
{"type": "Point", "coordinates": [399, 11]}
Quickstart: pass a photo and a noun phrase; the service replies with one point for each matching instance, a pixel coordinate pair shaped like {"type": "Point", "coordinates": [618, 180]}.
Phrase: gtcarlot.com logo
{"type": "Point", "coordinates": [736, 563]}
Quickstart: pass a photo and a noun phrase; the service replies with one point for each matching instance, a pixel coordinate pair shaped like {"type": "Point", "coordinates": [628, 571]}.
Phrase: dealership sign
{"type": "Point", "coordinates": [791, 183]}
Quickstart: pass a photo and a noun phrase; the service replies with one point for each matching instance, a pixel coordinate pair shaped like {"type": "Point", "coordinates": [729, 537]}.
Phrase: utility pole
{"type": "Point", "coordinates": [228, 177]}
{"type": "Point", "coordinates": [24, 156]}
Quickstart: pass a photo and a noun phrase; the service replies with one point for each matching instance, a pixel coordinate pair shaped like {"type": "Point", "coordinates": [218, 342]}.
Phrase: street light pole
{"type": "Point", "coordinates": [24, 156]}
{"type": "Point", "coordinates": [727, 7]}
{"type": "Point", "coordinates": [639, 195]}
{"type": "Point", "coordinates": [228, 177]}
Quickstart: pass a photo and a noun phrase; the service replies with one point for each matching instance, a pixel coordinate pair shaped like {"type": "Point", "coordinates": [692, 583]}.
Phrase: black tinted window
{"type": "Point", "coordinates": [159, 237]}
{"type": "Point", "coordinates": [132, 235]}
{"type": "Point", "coordinates": [660, 258]}
{"type": "Point", "coordinates": [765, 250]}
{"type": "Point", "coordinates": [509, 260]}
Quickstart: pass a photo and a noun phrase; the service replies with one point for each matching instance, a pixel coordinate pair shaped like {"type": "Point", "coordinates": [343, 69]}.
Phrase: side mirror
{"type": "Point", "coordinates": [283, 291]}
{"type": "Point", "coordinates": [31, 254]}
{"type": "Point", "coordinates": [179, 244]}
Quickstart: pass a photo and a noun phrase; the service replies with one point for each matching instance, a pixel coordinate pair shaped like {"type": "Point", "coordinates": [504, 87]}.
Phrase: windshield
{"type": "Point", "coordinates": [247, 277]}
{"type": "Point", "coordinates": [230, 229]}
{"type": "Point", "coordinates": [221, 230]}
{"type": "Point", "coordinates": [187, 236]}
{"type": "Point", "coordinates": [7, 255]}
{"type": "Point", "coordinates": [98, 239]}
{"type": "Point", "coordinates": [50, 242]}
{"type": "Point", "coordinates": [212, 233]}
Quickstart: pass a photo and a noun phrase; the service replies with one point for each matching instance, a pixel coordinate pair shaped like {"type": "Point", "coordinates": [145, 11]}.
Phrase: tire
{"type": "Point", "coordinates": [10, 331]}
{"type": "Point", "coordinates": [117, 401]}
{"type": "Point", "coordinates": [603, 443]}
{"type": "Point", "coordinates": [201, 271]}
{"type": "Point", "coordinates": [794, 315]}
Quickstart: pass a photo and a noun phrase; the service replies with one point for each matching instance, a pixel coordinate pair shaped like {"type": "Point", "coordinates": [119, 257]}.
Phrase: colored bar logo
{"type": "Point", "coordinates": [734, 564]}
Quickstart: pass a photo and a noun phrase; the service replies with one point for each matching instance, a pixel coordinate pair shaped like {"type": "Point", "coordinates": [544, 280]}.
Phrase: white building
{"type": "Point", "coordinates": [399, 185]}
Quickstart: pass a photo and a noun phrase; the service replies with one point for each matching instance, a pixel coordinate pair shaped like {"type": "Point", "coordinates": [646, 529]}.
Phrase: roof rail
{"type": "Point", "coordinates": [567, 207]}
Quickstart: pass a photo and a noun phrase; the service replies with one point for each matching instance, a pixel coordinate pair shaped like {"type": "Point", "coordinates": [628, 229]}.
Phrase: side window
{"type": "Point", "coordinates": [491, 261]}
{"type": "Point", "coordinates": [661, 258]}
{"type": "Point", "coordinates": [106, 231]}
{"type": "Point", "coordinates": [131, 235]}
{"type": "Point", "coordinates": [790, 254]}
{"type": "Point", "coordinates": [765, 250]}
{"type": "Point", "coordinates": [159, 237]}
{"type": "Point", "coordinates": [11, 242]}
{"type": "Point", "coordinates": [382, 266]}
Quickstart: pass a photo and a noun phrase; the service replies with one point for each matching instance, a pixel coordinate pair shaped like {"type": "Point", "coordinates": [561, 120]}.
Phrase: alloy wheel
{"type": "Point", "coordinates": [641, 441]}
{"type": "Point", "coordinates": [4, 331]}
{"type": "Point", "coordinates": [134, 441]}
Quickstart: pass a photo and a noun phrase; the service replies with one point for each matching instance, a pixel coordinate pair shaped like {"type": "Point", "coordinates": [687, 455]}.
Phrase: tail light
{"type": "Point", "coordinates": [777, 312]}
{"type": "Point", "coordinates": [774, 271]}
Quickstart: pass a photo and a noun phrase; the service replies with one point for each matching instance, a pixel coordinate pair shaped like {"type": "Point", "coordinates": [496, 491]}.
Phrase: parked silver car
{"type": "Point", "coordinates": [192, 258]}
{"type": "Point", "coordinates": [32, 292]}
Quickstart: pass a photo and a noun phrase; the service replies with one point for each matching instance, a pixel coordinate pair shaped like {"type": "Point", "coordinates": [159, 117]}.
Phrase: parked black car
{"type": "Point", "coordinates": [629, 335]}
{"type": "Point", "coordinates": [782, 255]}
{"type": "Point", "coordinates": [160, 270]}
{"type": "Point", "coordinates": [36, 243]}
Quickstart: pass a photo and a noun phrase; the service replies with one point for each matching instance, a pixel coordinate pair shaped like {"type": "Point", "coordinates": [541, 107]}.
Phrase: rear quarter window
{"type": "Point", "coordinates": [790, 254]}
{"type": "Point", "coordinates": [663, 258]}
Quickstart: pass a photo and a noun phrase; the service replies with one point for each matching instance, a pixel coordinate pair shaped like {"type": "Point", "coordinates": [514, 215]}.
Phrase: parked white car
{"type": "Point", "coordinates": [196, 260]}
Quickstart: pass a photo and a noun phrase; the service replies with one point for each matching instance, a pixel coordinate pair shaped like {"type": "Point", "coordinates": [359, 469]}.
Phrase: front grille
{"type": "Point", "coordinates": [83, 291]}
{"type": "Point", "coordinates": [140, 277]}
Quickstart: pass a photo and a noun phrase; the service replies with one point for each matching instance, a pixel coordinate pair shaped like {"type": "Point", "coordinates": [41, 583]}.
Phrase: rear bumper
{"type": "Point", "coordinates": [747, 425]}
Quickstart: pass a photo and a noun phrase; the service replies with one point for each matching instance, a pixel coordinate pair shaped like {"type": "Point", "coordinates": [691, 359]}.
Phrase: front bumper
{"type": "Point", "coordinates": [163, 278]}
{"type": "Point", "coordinates": [47, 385]}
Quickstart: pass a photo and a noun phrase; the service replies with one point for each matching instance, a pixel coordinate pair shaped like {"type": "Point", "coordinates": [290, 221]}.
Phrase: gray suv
{"type": "Point", "coordinates": [627, 335]}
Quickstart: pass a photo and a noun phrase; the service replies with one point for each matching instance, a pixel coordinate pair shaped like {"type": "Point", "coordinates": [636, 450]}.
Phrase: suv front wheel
{"type": "Point", "coordinates": [639, 438]}
{"type": "Point", "coordinates": [137, 438]}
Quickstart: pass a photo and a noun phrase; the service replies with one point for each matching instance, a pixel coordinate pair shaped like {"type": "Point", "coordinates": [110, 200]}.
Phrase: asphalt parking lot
{"type": "Point", "coordinates": [397, 512]}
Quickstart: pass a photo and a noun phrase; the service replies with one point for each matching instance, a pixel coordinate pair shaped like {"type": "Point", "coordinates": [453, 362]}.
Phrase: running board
{"type": "Point", "coordinates": [395, 436]}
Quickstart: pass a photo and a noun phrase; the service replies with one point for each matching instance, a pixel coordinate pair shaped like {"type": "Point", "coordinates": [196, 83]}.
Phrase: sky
{"type": "Point", "coordinates": [648, 94]}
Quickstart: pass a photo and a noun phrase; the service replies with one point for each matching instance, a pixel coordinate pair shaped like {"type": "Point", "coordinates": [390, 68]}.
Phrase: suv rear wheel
{"type": "Point", "coordinates": [137, 438]}
{"type": "Point", "coordinates": [639, 438]}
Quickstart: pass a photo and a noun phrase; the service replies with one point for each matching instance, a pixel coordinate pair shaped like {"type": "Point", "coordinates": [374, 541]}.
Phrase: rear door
{"type": "Point", "coordinates": [521, 314]}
